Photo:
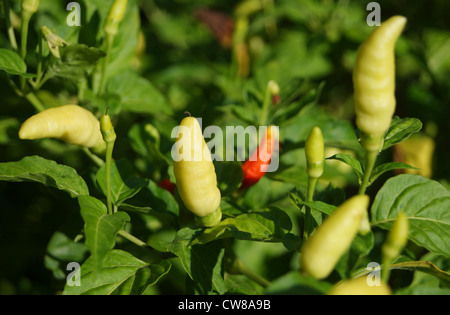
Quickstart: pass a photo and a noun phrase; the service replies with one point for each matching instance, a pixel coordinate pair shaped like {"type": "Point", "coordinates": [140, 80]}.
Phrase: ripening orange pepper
{"type": "Point", "coordinates": [258, 163]}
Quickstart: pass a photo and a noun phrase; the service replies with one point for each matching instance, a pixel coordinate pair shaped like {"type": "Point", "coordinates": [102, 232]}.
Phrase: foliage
{"type": "Point", "coordinates": [169, 57]}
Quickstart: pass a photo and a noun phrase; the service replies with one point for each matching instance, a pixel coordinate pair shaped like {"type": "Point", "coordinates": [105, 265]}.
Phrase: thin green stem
{"type": "Point", "coordinates": [24, 35]}
{"type": "Point", "coordinates": [98, 161]}
{"type": "Point", "coordinates": [81, 89]}
{"type": "Point", "coordinates": [109, 150]}
{"type": "Point", "coordinates": [104, 65]}
{"type": "Point", "coordinates": [39, 65]}
{"type": "Point", "coordinates": [11, 34]}
{"type": "Point", "coordinates": [132, 238]}
{"type": "Point", "coordinates": [32, 98]}
{"type": "Point", "coordinates": [312, 181]}
{"type": "Point", "coordinates": [265, 107]}
{"type": "Point", "coordinates": [371, 157]}
{"type": "Point", "coordinates": [244, 270]}
{"type": "Point", "coordinates": [26, 17]}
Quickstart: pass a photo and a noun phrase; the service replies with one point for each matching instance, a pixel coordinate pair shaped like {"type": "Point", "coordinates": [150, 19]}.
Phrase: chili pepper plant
{"type": "Point", "coordinates": [321, 140]}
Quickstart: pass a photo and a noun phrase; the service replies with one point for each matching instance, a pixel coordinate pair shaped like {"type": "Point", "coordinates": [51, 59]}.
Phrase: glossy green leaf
{"type": "Point", "coordinates": [426, 204]}
{"type": "Point", "coordinates": [47, 172]}
{"type": "Point", "coordinates": [401, 129]}
{"type": "Point", "coordinates": [229, 176]}
{"type": "Point", "coordinates": [138, 95]}
{"type": "Point", "coordinates": [124, 181]}
{"type": "Point", "coordinates": [153, 198]}
{"type": "Point", "coordinates": [157, 272]}
{"type": "Point", "coordinates": [120, 273]}
{"type": "Point", "coordinates": [100, 228]}
{"type": "Point", "coordinates": [203, 263]}
{"type": "Point", "coordinates": [266, 225]}
{"type": "Point", "coordinates": [294, 283]}
{"type": "Point", "coordinates": [386, 167]}
{"type": "Point", "coordinates": [349, 160]}
{"type": "Point", "coordinates": [77, 61]}
{"type": "Point", "coordinates": [11, 63]}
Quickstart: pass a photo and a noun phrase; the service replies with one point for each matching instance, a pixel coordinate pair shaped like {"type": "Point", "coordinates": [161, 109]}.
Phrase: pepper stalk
{"type": "Point", "coordinates": [109, 136]}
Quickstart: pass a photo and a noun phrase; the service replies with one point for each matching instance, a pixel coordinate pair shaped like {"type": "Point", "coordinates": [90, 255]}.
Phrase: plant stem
{"type": "Point", "coordinates": [265, 107]}
{"type": "Point", "coordinates": [24, 39]}
{"type": "Point", "coordinates": [39, 65]}
{"type": "Point", "coordinates": [243, 269]}
{"type": "Point", "coordinates": [104, 65]}
{"type": "Point", "coordinates": [312, 181]}
{"type": "Point", "coordinates": [32, 98]}
{"type": "Point", "coordinates": [132, 238]}
{"type": "Point", "coordinates": [11, 34]}
{"type": "Point", "coordinates": [371, 157]}
{"type": "Point", "coordinates": [109, 150]}
{"type": "Point", "coordinates": [98, 161]}
{"type": "Point", "coordinates": [24, 35]}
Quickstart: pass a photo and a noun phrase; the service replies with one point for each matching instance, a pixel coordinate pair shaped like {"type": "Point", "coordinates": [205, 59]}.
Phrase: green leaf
{"type": "Point", "coordinates": [426, 204]}
{"type": "Point", "coordinates": [100, 228]}
{"type": "Point", "coordinates": [126, 41]}
{"type": "Point", "coordinates": [76, 63]}
{"type": "Point", "coordinates": [265, 225]}
{"type": "Point", "coordinates": [153, 198]}
{"type": "Point", "coordinates": [423, 266]}
{"type": "Point", "coordinates": [386, 167]}
{"type": "Point", "coordinates": [203, 263]}
{"type": "Point", "coordinates": [138, 95]}
{"type": "Point", "coordinates": [62, 250]}
{"type": "Point", "coordinates": [124, 181]}
{"type": "Point", "coordinates": [320, 206]}
{"type": "Point", "coordinates": [121, 273]}
{"type": "Point", "coordinates": [400, 129]}
{"type": "Point", "coordinates": [349, 160]}
{"type": "Point", "coordinates": [157, 272]}
{"type": "Point", "coordinates": [242, 285]}
{"type": "Point", "coordinates": [229, 176]}
{"type": "Point", "coordinates": [11, 63]}
{"type": "Point", "coordinates": [47, 172]}
{"type": "Point", "coordinates": [294, 283]}
{"type": "Point", "coordinates": [145, 140]}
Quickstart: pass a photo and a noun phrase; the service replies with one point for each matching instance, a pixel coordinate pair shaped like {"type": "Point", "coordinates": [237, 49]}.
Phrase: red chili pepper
{"type": "Point", "coordinates": [256, 166]}
{"type": "Point", "coordinates": [167, 185]}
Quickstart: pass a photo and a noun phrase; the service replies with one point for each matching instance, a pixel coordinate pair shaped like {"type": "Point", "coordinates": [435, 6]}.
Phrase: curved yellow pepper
{"type": "Point", "coordinates": [70, 123]}
{"type": "Point", "coordinates": [374, 81]}
{"type": "Point", "coordinates": [195, 174]}
{"type": "Point", "coordinates": [323, 249]}
{"type": "Point", "coordinates": [359, 286]}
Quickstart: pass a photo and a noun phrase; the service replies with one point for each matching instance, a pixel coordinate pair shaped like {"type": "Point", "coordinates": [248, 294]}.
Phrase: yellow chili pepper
{"type": "Point", "coordinates": [359, 286]}
{"type": "Point", "coordinates": [70, 123]}
{"type": "Point", "coordinates": [314, 151]}
{"type": "Point", "coordinates": [374, 82]}
{"type": "Point", "coordinates": [333, 237]}
{"type": "Point", "coordinates": [195, 174]}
